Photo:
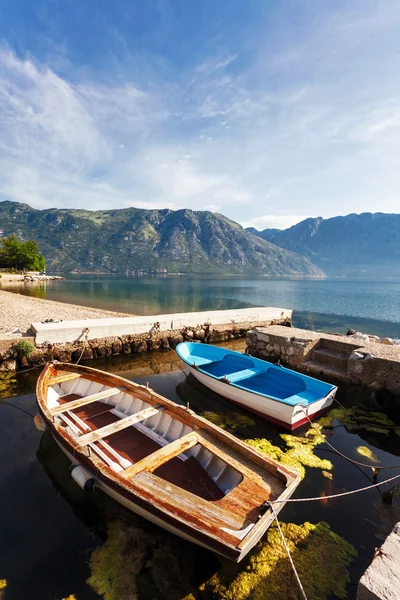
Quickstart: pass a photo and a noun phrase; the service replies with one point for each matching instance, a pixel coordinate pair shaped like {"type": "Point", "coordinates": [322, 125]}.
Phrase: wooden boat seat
{"type": "Point", "coordinates": [120, 424]}
{"type": "Point", "coordinates": [71, 405]}
{"type": "Point", "coordinates": [187, 505]}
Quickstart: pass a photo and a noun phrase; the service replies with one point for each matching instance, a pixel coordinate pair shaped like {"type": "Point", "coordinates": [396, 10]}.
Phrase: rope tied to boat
{"type": "Point", "coordinates": [352, 460]}
{"type": "Point", "coordinates": [268, 503]}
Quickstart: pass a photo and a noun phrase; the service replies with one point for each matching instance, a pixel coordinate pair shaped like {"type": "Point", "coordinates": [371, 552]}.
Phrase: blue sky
{"type": "Point", "coordinates": [268, 111]}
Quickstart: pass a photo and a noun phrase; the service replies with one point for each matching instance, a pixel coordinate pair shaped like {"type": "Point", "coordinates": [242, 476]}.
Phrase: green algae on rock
{"type": "Point", "coordinates": [113, 573]}
{"type": "Point", "coordinates": [130, 551]}
{"type": "Point", "coordinates": [133, 554]}
{"type": "Point", "coordinates": [229, 421]}
{"type": "Point", "coordinates": [367, 452]}
{"type": "Point", "coordinates": [8, 385]}
{"type": "Point", "coordinates": [300, 451]}
{"type": "Point", "coordinates": [321, 558]}
{"type": "Point", "coordinates": [357, 417]}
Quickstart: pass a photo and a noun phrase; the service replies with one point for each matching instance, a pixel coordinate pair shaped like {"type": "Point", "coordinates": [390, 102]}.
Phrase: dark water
{"type": "Point", "coordinates": [49, 527]}
{"type": "Point", "coordinates": [372, 306]}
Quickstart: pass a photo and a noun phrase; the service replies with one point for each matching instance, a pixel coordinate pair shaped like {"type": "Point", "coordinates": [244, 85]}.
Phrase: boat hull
{"type": "Point", "coordinates": [83, 408]}
{"type": "Point", "coordinates": [285, 415]}
{"type": "Point", "coordinates": [135, 508]}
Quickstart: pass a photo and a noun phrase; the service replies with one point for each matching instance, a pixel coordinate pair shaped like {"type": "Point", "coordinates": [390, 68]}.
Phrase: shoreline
{"type": "Point", "coordinates": [18, 311]}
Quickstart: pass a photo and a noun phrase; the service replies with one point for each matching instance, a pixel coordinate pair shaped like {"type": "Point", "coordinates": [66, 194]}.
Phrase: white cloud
{"type": "Point", "coordinates": [274, 221]}
{"type": "Point", "coordinates": [214, 64]}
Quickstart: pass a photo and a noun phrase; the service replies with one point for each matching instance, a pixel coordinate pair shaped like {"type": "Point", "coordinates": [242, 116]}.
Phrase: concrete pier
{"type": "Point", "coordinates": [381, 581]}
{"type": "Point", "coordinates": [337, 358]}
{"type": "Point", "coordinates": [69, 341]}
{"type": "Point", "coordinates": [72, 331]}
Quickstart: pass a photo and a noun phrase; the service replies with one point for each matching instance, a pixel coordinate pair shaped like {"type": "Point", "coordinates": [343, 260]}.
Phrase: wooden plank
{"type": "Point", "coordinates": [98, 434]}
{"type": "Point", "coordinates": [159, 457]}
{"type": "Point", "coordinates": [200, 513]}
{"type": "Point", "coordinates": [66, 377]}
{"type": "Point", "coordinates": [85, 400]}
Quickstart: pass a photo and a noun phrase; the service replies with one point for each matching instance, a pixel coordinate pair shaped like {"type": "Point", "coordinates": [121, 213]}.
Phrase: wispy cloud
{"type": "Point", "coordinates": [283, 121]}
{"type": "Point", "coordinates": [275, 221]}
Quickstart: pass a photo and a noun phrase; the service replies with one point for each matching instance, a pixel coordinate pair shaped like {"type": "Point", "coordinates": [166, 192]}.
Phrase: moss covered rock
{"type": "Point", "coordinates": [321, 558]}
{"type": "Point", "coordinates": [299, 452]}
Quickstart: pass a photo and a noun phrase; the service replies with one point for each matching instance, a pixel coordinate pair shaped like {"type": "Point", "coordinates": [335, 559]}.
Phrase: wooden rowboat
{"type": "Point", "coordinates": [281, 395]}
{"type": "Point", "coordinates": [160, 460]}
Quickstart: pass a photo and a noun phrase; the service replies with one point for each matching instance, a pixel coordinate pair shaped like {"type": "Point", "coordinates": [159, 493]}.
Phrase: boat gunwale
{"type": "Point", "coordinates": [302, 376]}
{"type": "Point", "coordinates": [135, 493]}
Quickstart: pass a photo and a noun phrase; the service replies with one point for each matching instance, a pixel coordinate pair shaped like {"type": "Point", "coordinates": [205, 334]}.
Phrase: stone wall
{"type": "Point", "coordinates": [87, 349]}
{"type": "Point", "coordinates": [339, 359]}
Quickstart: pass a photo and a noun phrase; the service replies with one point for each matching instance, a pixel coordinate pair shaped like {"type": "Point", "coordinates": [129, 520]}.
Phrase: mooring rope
{"type": "Point", "coordinates": [340, 495]}
{"type": "Point", "coordinates": [85, 332]}
{"type": "Point", "coordinates": [352, 460]}
{"type": "Point", "coordinates": [287, 551]}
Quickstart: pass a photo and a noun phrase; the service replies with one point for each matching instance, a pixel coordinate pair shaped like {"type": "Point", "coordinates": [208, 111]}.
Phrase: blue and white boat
{"type": "Point", "coordinates": [283, 396]}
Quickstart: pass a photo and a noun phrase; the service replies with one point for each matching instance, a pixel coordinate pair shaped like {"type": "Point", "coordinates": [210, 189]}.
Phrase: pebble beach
{"type": "Point", "coordinates": [19, 312]}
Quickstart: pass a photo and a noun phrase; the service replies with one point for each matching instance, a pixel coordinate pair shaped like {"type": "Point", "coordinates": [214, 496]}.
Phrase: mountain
{"type": "Point", "coordinates": [149, 240]}
{"type": "Point", "coordinates": [365, 244]}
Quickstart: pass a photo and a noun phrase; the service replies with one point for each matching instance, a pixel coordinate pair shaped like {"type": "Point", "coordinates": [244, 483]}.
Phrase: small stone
{"type": "Point", "coordinates": [387, 341]}
{"type": "Point", "coordinates": [8, 365]}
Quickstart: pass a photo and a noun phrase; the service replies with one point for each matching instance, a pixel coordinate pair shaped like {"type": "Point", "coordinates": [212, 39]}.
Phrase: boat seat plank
{"type": "Point", "coordinates": [85, 400]}
{"type": "Point", "coordinates": [187, 506]}
{"type": "Point", "coordinates": [65, 377]}
{"type": "Point", "coordinates": [162, 455]}
{"type": "Point", "coordinates": [120, 424]}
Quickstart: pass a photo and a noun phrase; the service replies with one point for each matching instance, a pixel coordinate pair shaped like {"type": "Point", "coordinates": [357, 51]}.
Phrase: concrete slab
{"type": "Point", "coordinates": [75, 331]}
{"type": "Point", "coordinates": [381, 581]}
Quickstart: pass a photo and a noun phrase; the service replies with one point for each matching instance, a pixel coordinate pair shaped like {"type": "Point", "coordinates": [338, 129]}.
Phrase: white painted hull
{"type": "Point", "coordinates": [134, 507]}
{"type": "Point", "coordinates": [286, 414]}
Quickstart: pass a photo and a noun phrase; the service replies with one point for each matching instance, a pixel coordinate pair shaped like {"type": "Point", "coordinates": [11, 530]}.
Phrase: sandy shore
{"type": "Point", "coordinates": [18, 311]}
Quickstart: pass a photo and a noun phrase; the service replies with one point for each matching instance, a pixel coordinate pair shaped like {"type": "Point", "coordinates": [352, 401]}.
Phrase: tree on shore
{"type": "Point", "coordinates": [21, 255]}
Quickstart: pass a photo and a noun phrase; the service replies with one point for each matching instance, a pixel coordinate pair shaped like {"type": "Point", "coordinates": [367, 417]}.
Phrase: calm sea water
{"type": "Point", "coordinates": [49, 527]}
{"type": "Point", "coordinates": [372, 306]}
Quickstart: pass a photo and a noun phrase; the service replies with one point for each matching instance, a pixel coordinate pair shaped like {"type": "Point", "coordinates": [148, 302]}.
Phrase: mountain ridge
{"type": "Point", "coordinates": [354, 244]}
{"type": "Point", "coordinates": [133, 239]}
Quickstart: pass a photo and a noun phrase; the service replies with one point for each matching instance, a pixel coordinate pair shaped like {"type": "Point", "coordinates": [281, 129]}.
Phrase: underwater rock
{"type": "Point", "coordinates": [321, 558]}
{"type": "Point", "coordinates": [300, 451]}
{"type": "Point", "coordinates": [357, 417]}
{"type": "Point", "coordinates": [229, 421]}
{"type": "Point", "coordinates": [367, 452]}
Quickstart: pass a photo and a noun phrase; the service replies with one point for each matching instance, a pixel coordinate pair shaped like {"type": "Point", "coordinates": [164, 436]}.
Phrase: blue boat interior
{"type": "Point", "coordinates": [254, 375]}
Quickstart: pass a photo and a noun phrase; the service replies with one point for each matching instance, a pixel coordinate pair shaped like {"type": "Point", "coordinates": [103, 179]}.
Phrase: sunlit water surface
{"type": "Point", "coordinates": [336, 305]}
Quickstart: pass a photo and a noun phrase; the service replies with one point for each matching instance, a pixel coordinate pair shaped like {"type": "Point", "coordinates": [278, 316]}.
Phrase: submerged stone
{"type": "Point", "coordinates": [357, 417]}
{"type": "Point", "coordinates": [321, 558]}
{"type": "Point", "coordinates": [300, 452]}
{"type": "Point", "coordinates": [133, 554]}
{"type": "Point", "coordinates": [367, 452]}
{"type": "Point", "coordinates": [229, 421]}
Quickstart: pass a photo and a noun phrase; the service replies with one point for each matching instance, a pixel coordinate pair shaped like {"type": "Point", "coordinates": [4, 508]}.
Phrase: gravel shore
{"type": "Point", "coordinates": [18, 311]}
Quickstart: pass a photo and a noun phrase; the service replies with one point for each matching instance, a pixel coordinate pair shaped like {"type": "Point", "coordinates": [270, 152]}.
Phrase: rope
{"type": "Point", "coordinates": [364, 489]}
{"type": "Point", "coordinates": [356, 462]}
{"type": "Point", "coordinates": [5, 403]}
{"type": "Point", "coordinates": [287, 551]}
{"type": "Point", "coordinates": [178, 365]}
{"type": "Point", "coordinates": [85, 332]}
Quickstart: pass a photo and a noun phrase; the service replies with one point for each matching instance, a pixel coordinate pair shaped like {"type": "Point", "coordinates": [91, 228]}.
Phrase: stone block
{"type": "Point", "coordinates": [381, 581]}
